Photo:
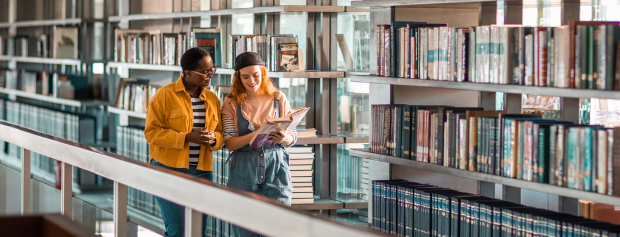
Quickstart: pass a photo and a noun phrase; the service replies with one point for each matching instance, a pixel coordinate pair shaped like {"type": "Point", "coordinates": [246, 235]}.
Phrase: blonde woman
{"type": "Point", "coordinates": [254, 98]}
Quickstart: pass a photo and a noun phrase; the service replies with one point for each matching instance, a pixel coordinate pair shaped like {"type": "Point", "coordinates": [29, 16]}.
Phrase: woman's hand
{"type": "Point", "coordinates": [281, 137]}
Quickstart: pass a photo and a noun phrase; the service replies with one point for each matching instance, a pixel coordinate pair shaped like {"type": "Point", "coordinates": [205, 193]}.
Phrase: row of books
{"type": "Point", "coordinates": [404, 208]}
{"type": "Point", "coordinates": [62, 43]}
{"type": "Point", "coordinates": [154, 47]}
{"type": "Point", "coordinates": [47, 83]}
{"type": "Point", "coordinates": [134, 94]}
{"type": "Point", "coordinates": [130, 142]}
{"type": "Point", "coordinates": [73, 127]}
{"type": "Point", "coordinates": [580, 55]}
{"type": "Point", "coordinates": [353, 174]}
{"type": "Point", "coordinates": [279, 52]}
{"type": "Point", "coordinates": [522, 146]}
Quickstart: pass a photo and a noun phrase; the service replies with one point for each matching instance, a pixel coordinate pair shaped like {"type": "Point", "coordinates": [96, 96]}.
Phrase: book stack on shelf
{"type": "Point", "coordinates": [132, 143]}
{"type": "Point", "coordinates": [404, 208]}
{"type": "Point", "coordinates": [301, 163]}
{"type": "Point", "coordinates": [72, 127]}
{"type": "Point", "coordinates": [134, 94]}
{"type": "Point", "coordinates": [62, 43]}
{"type": "Point", "coordinates": [279, 52]}
{"type": "Point", "coordinates": [521, 146]}
{"type": "Point", "coordinates": [580, 55]}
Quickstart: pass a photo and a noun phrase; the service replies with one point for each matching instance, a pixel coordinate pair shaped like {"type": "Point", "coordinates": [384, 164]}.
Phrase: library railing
{"type": "Point", "coordinates": [245, 209]}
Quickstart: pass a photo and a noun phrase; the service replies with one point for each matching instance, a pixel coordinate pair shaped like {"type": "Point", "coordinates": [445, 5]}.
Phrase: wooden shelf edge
{"type": "Point", "coordinates": [540, 187]}
{"type": "Point", "coordinates": [515, 89]}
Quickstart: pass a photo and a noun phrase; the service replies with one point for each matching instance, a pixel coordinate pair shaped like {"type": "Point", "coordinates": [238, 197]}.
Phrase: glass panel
{"type": "Point", "coordinates": [292, 2]}
{"type": "Point", "coordinates": [242, 4]}
{"type": "Point", "coordinates": [353, 107]}
{"type": "Point", "coordinates": [356, 30]}
{"type": "Point", "coordinates": [243, 24]}
{"type": "Point", "coordinates": [296, 23]}
{"type": "Point", "coordinates": [295, 90]}
{"type": "Point", "coordinates": [353, 173]}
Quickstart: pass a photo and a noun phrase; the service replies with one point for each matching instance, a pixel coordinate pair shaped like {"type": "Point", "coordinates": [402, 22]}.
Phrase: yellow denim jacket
{"type": "Point", "coordinates": [169, 118]}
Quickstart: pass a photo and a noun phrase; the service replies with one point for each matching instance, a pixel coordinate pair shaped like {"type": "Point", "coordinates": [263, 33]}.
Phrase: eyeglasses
{"type": "Point", "coordinates": [209, 74]}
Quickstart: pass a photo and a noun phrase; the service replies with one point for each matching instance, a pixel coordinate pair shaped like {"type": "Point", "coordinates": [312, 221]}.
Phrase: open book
{"type": "Point", "coordinates": [270, 125]}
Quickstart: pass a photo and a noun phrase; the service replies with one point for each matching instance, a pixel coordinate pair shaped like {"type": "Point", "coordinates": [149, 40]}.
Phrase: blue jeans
{"type": "Point", "coordinates": [173, 214]}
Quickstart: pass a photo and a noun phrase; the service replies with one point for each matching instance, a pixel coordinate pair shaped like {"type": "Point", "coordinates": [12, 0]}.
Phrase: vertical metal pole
{"type": "Point", "coordinates": [333, 170]}
{"type": "Point", "coordinates": [569, 109]}
{"type": "Point", "coordinates": [66, 189]}
{"type": "Point", "coordinates": [487, 13]}
{"type": "Point", "coordinates": [120, 209]}
{"type": "Point", "coordinates": [513, 12]}
{"type": "Point", "coordinates": [12, 16]}
{"type": "Point", "coordinates": [193, 223]}
{"type": "Point", "coordinates": [570, 11]}
{"type": "Point", "coordinates": [512, 103]}
{"type": "Point", "coordinates": [26, 195]}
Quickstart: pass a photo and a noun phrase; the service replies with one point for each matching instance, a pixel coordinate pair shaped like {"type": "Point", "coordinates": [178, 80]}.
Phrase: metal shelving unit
{"type": "Point", "coordinates": [55, 61]}
{"type": "Point", "coordinates": [229, 71]}
{"type": "Point", "coordinates": [514, 89]}
{"type": "Point", "coordinates": [224, 12]}
{"type": "Point", "coordinates": [320, 139]}
{"type": "Point", "coordinates": [36, 23]}
{"type": "Point", "coordinates": [45, 98]}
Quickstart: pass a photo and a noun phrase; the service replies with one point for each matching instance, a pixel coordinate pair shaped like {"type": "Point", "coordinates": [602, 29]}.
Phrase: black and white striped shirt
{"type": "Point", "coordinates": [199, 122]}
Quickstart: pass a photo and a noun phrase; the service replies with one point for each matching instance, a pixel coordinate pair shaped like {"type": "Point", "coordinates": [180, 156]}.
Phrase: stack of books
{"type": "Point", "coordinates": [301, 163]}
{"type": "Point", "coordinates": [404, 208]}
{"type": "Point", "coordinates": [580, 55]}
{"type": "Point", "coordinates": [521, 146]}
{"type": "Point", "coordinates": [134, 94]}
{"type": "Point", "coordinates": [279, 52]}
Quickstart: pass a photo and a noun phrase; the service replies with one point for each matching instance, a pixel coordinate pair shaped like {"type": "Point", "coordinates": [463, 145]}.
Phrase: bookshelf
{"type": "Point", "coordinates": [322, 78]}
{"type": "Point", "coordinates": [390, 90]}
{"type": "Point", "coordinates": [320, 139]}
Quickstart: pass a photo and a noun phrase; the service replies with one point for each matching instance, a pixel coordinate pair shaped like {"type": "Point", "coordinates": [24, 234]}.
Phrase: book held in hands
{"type": "Point", "coordinates": [270, 125]}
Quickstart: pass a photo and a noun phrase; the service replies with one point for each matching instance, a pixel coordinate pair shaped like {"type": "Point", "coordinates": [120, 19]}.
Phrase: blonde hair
{"type": "Point", "coordinates": [237, 91]}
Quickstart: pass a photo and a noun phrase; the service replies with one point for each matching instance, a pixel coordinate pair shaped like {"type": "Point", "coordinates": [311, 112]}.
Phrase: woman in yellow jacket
{"type": "Point", "coordinates": [183, 127]}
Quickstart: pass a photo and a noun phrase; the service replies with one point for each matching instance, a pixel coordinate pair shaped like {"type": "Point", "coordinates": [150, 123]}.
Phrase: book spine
{"type": "Point", "coordinates": [406, 135]}
{"type": "Point", "coordinates": [473, 143]}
